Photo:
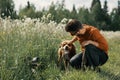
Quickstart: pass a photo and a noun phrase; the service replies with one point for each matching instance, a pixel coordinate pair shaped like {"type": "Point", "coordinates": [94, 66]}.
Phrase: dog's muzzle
{"type": "Point", "coordinates": [66, 55]}
{"type": "Point", "coordinates": [66, 47]}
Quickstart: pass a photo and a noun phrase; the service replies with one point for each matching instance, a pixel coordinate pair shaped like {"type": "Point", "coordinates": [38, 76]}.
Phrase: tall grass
{"type": "Point", "coordinates": [33, 37]}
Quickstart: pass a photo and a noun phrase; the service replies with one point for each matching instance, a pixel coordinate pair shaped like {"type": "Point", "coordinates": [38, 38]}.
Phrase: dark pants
{"type": "Point", "coordinates": [94, 57]}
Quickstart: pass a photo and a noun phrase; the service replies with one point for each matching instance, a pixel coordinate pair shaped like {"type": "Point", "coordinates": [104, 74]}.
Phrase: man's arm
{"type": "Point", "coordinates": [90, 42]}
{"type": "Point", "coordinates": [73, 40]}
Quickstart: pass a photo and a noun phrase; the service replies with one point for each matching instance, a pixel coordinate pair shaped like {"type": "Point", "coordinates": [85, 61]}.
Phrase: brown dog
{"type": "Point", "coordinates": [65, 53]}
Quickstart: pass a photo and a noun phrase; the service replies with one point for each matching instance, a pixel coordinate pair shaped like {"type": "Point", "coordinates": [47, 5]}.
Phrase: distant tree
{"type": "Point", "coordinates": [97, 13]}
{"type": "Point", "coordinates": [28, 11]}
{"type": "Point", "coordinates": [119, 7]}
{"type": "Point", "coordinates": [38, 14]}
{"type": "Point", "coordinates": [74, 12]}
{"type": "Point", "coordinates": [105, 24]}
{"type": "Point", "coordinates": [58, 11]}
{"type": "Point", "coordinates": [7, 9]}
{"type": "Point", "coordinates": [115, 20]}
{"type": "Point", "coordinates": [28, 4]}
{"type": "Point", "coordinates": [60, 7]}
{"type": "Point", "coordinates": [84, 16]}
{"type": "Point", "coordinates": [105, 7]}
{"type": "Point", "coordinates": [52, 10]}
{"type": "Point", "coordinates": [93, 3]}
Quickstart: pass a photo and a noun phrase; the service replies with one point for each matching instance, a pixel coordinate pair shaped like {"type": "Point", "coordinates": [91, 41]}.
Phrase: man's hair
{"type": "Point", "coordinates": [73, 25]}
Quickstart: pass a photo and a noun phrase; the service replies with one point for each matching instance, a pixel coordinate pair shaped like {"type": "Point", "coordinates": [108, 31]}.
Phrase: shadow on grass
{"type": "Point", "coordinates": [109, 75]}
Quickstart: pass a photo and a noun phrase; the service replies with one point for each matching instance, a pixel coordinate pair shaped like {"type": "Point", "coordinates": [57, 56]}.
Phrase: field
{"type": "Point", "coordinates": [33, 37]}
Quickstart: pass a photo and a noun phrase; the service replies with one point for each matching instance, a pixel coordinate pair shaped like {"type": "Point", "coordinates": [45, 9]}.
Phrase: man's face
{"type": "Point", "coordinates": [79, 32]}
{"type": "Point", "coordinates": [73, 33]}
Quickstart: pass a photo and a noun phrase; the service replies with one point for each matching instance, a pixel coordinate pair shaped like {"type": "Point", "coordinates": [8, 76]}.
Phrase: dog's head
{"type": "Point", "coordinates": [66, 50]}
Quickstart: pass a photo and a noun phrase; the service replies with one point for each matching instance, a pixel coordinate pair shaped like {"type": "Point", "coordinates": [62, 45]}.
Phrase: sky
{"type": "Point", "coordinates": [39, 4]}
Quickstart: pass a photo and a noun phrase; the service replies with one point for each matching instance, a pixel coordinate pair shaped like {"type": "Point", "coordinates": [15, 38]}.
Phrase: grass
{"type": "Point", "coordinates": [22, 38]}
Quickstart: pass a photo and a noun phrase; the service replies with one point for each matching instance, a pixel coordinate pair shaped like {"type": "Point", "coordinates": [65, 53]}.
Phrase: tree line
{"type": "Point", "coordinates": [96, 15]}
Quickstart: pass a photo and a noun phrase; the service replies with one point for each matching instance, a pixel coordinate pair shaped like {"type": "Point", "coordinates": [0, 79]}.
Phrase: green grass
{"type": "Point", "coordinates": [20, 39]}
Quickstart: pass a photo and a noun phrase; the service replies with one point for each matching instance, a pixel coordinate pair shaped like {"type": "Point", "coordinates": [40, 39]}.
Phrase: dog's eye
{"type": "Point", "coordinates": [63, 44]}
{"type": "Point", "coordinates": [69, 44]}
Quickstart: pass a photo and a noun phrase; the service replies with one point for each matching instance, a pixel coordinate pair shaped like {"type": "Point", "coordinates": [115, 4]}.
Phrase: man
{"type": "Point", "coordinates": [93, 44]}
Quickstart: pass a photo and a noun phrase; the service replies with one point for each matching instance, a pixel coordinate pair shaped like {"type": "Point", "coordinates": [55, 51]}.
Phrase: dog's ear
{"type": "Point", "coordinates": [60, 46]}
{"type": "Point", "coordinates": [73, 49]}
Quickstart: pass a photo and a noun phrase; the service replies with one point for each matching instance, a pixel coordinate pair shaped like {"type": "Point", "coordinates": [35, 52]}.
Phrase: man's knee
{"type": "Point", "coordinates": [72, 62]}
{"type": "Point", "coordinates": [75, 61]}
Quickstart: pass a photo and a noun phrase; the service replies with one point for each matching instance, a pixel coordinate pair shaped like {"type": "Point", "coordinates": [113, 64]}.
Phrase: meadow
{"type": "Point", "coordinates": [34, 37]}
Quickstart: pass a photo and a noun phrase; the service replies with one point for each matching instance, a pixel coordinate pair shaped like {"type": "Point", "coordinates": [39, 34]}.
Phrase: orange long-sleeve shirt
{"type": "Point", "coordinates": [93, 34]}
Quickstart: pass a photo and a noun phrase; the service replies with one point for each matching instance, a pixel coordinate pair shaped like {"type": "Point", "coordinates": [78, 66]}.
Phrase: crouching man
{"type": "Point", "coordinates": [94, 46]}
